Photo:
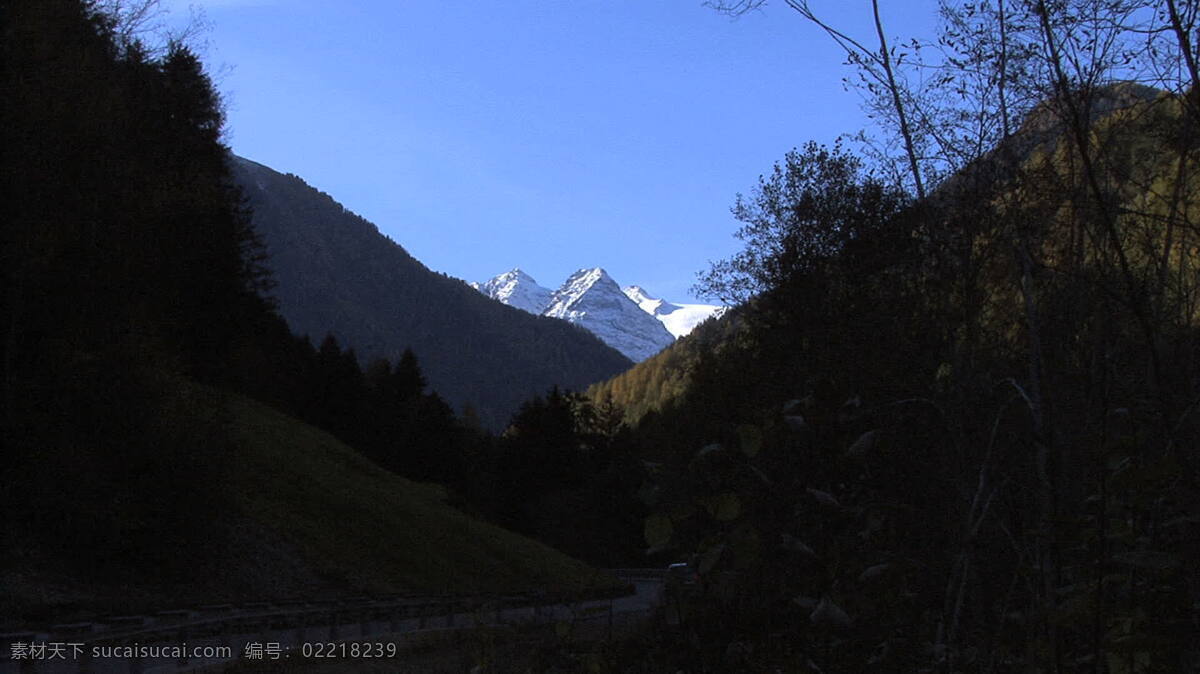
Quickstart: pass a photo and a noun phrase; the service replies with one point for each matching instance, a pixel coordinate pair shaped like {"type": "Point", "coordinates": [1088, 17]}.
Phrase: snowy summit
{"type": "Point", "coordinates": [593, 300]}
{"type": "Point", "coordinates": [628, 319]}
{"type": "Point", "coordinates": [518, 289]}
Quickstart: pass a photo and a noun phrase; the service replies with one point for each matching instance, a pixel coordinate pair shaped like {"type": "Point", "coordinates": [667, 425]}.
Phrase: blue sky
{"type": "Point", "coordinates": [545, 134]}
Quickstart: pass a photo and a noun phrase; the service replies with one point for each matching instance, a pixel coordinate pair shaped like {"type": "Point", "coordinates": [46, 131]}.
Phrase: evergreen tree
{"type": "Point", "coordinates": [407, 378]}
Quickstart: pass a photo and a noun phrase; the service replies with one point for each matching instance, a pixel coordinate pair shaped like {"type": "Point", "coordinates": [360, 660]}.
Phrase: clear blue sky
{"type": "Point", "coordinates": [545, 134]}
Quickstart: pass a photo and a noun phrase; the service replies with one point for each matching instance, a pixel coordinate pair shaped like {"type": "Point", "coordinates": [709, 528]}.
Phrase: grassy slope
{"type": "Point", "coordinates": [295, 514]}
{"type": "Point", "coordinates": [380, 532]}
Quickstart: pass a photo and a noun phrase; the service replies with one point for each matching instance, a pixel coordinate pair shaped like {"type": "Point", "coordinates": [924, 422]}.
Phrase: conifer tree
{"type": "Point", "coordinates": [408, 379]}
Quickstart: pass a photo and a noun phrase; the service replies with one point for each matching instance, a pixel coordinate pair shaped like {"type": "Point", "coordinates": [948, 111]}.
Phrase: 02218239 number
{"type": "Point", "coordinates": [352, 649]}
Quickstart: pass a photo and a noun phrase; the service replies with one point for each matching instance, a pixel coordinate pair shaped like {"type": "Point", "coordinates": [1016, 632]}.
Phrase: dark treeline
{"type": "Point", "coordinates": [383, 411]}
{"type": "Point", "coordinates": [567, 473]}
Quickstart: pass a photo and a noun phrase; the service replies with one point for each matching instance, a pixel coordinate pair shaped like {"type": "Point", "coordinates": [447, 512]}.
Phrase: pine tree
{"type": "Point", "coordinates": [407, 378]}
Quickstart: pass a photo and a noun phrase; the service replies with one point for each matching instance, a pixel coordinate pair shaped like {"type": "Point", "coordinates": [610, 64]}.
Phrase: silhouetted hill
{"type": "Point", "coordinates": [1123, 112]}
{"type": "Point", "coordinates": [336, 273]}
{"type": "Point", "coordinates": [294, 512]}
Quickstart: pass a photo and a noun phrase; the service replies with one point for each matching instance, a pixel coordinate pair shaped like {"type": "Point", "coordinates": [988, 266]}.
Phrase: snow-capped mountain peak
{"type": "Point", "coordinates": [575, 287]}
{"type": "Point", "coordinates": [518, 289]}
{"type": "Point", "coordinates": [592, 299]}
{"type": "Point", "coordinates": [630, 320]}
{"type": "Point", "coordinates": [640, 297]}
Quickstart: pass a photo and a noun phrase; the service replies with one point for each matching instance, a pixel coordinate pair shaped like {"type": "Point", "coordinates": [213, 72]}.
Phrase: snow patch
{"type": "Point", "coordinates": [679, 319]}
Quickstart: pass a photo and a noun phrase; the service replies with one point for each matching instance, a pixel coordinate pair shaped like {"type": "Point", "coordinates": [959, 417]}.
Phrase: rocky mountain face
{"type": "Point", "coordinates": [516, 289]}
{"type": "Point", "coordinates": [593, 300]}
{"type": "Point", "coordinates": [335, 273]}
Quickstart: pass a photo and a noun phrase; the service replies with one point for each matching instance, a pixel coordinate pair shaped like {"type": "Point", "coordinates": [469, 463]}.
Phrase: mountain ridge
{"type": "Point", "coordinates": [336, 274]}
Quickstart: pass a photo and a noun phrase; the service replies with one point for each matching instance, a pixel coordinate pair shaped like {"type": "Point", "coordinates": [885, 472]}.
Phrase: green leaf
{"type": "Point", "coordinates": [751, 438]}
{"type": "Point", "coordinates": [805, 603]}
{"type": "Point", "coordinates": [790, 542]}
{"type": "Point", "coordinates": [873, 572]}
{"type": "Point", "coordinates": [823, 497]}
{"type": "Point", "coordinates": [725, 507]}
{"type": "Point", "coordinates": [944, 370]}
{"type": "Point", "coordinates": [795, 422]}
{"type": "Point", "coordinates": [863, 444]}
{"type": "Point", "coordinates": [829, 613]}
{"type": "Point", "coordinates": [658, 530]}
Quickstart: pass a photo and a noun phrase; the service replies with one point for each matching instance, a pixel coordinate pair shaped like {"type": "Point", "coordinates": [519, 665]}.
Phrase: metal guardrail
{"type": "Point", "coordinates": [202, 637]}
{"type": "Point", "coordinates": [639, 574]}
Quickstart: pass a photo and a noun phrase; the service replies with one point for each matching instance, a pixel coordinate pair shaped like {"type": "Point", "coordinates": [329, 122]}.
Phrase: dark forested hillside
{"type": "Point", "coordinates": [335, 273]}
{"type": "Point", "coordinates": [954, 433]}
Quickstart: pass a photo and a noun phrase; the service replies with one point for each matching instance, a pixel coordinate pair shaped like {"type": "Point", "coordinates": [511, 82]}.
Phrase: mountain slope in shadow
{"type": "Point", "coordinates": [336, 273]}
